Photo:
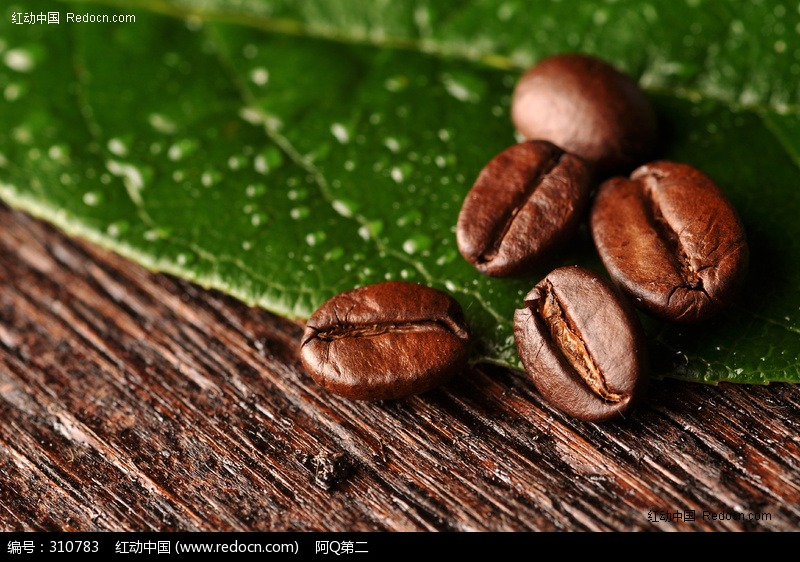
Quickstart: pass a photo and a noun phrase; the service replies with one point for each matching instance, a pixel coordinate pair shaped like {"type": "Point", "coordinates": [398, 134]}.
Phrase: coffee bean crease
{"type": "Point", "coordinates": [523, 198]}
{"type": "Point", "coordinates": [582, 345]}
{"type": "Point", "coordinates": [671, 237]}
{"type": "Point", "coordinates": [373, 330]}
{"type": "Point", "coordinates": [568, 339]}
{"type": "Point", "coordinates": [671, 240]}
{"type": "Point", "coordinates": [526, 202]}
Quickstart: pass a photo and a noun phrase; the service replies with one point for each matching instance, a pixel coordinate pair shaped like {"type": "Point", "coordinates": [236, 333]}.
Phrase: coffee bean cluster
{"type": "Point", "coordinates": [671, 242]}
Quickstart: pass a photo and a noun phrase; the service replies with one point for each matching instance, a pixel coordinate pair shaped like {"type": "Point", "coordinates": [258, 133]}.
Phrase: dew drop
{"type": "Point", "coordinates": [182, 149]}
{"type": "Point", "coordinates": [209, 178]}
{"type": "Point", "coordinates": [117, 147]}
{"type": "Point", "coordinates": [422, 17]}
{"type": "Point", "coordinates": [464, 87]}
{"type": "Point", "coordinates": [314, 238]}
{"type": "Point", "coordinates": [237, 162]}
{"type": "Point", "coordinates": [22, 135]}
{"type": "Point", "coordinates": [345, 207]}
{"type": "Point", "coordinates": [417, 244]}
{"type": "Point", "coordinates": [259, 76]}
{"type": "Point", "coordinates": [92, 198]}
{"type": "Point", "coordinates": [334, 254]}
{"type": "Point", "coordinates": [58, 152]}
{"type": "Point", "coordinates": [117, 228]}
{"type": "Point", "coordinates": [341, 133]}
{"type": "Point", "coordinates": [296, 194]}
{"type": "Point", "coordinates": [299, 213]}
{"type": "Point", "coordinates": [255, 189]}
{"type": "Point", "coordinates": [131, 176]}
{"type": "Point", "coordinates": [19, 60]}
{"type": "Point", "coordinates": [154, 234]}
{"type": "Point", "coordinates": [185, 258]}
{"type": "Point", "coordinates": [252, 116]}
{"type": "Point", "coordinates": [396, 83]}
{"type": "Point", "coordinates": [392, 144]}
{"type": "Point", "coordinates": [267, 160]}
{"type": "Point", "coordinates": [257, 219]}
{"type": "Point", "coordinates": [600, 17]}
{"type": "Point", "coordinates": [506, 11]}
{"type": "Point", "coordinates": [162, 124]}
{"type": "Point", "coordinates": [12, 92]}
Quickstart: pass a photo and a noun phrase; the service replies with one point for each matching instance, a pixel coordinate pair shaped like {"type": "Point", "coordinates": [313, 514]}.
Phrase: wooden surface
{"type": "Point", "coordinates": [131, 401]}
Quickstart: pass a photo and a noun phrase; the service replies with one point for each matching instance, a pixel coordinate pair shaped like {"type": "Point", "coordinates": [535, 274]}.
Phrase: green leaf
{"type": "Point", "coordinates": [285, 151]}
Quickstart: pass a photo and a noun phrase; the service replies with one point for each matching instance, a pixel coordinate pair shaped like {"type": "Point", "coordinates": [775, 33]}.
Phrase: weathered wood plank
{"type": "Point", "coordinates": [135, 401]}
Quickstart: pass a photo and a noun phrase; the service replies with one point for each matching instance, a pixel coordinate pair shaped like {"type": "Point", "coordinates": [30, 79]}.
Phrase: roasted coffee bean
{"type": "Point", "coordinates": [526, 202]}
{"type": "Point", "coordinates": [582, 345]}
{"type": "Point", "coordinates": [588, 108]}
{"type": "Point", "coordinates": [385, 341]}
{"type": "Point", "coordinates": [671, 240]}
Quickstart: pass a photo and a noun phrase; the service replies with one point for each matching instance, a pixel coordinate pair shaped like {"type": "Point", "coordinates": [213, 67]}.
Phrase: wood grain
{"type": "Point", "coordinates": [133, 401]}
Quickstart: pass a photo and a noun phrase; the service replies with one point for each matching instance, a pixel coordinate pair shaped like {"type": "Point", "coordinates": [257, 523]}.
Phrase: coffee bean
{"type": "Point", "coordinates": [582, 345]}
{"type": "Point", "coordinates": [588, 108]}
{"type": "Point", "coordinates": [671, 240]}
{"type": "Point", "coordinates": [526, 202]}
{"type": "Point", "coordinates": [385, 341]}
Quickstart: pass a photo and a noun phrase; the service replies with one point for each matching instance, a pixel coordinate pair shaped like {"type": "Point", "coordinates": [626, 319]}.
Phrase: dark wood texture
{"type": "Point", "coordinates": [132, 401]}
